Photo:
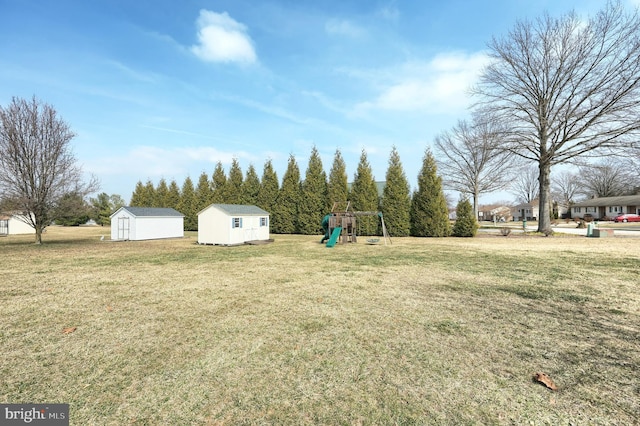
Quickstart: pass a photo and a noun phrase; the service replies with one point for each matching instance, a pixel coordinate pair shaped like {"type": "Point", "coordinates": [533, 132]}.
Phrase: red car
{"type": "Point", "coordinates": [628, 217]}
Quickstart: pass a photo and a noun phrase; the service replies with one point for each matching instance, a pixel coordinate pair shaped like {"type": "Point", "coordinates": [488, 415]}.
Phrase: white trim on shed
{"type": "Point", "coordinates": [146, 223]}
{"type": "Point", "coordinates": [232, 224]}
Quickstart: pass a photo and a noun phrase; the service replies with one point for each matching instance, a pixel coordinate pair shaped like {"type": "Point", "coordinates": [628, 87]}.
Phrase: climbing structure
{"type": "Point", "coordinates": [342, 224]}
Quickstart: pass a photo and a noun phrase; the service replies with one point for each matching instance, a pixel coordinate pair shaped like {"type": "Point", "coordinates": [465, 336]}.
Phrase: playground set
{"type": "Point", "coordinates": [340, 225]}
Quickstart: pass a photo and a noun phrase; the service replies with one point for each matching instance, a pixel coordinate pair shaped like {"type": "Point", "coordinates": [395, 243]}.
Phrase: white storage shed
{"type": "Point", "coordinates": [14, 224]}
{"type": "Point", "coordinates": [146, 223]}
{"type": "Point", "coordinates": [232, 224]}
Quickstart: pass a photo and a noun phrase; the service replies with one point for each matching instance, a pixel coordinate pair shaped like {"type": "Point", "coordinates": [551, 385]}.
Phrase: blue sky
{"type": "Point", "coordinates": [166, 89]}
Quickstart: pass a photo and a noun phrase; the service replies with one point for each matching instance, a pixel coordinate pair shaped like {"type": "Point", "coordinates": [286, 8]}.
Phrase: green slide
{"type": "Point", "coordinates": [334, 236]}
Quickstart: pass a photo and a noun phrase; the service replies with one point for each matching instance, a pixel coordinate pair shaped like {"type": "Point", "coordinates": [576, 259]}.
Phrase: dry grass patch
{"type": "Point", "coordinates": [419, 331]}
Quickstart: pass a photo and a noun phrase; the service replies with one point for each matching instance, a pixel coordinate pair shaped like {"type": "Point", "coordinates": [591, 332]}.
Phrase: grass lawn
{"type": "Point", "coordinates": [421, 331]}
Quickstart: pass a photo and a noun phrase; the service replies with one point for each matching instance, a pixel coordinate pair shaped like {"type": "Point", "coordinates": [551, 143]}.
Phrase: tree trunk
{"type": "Point", "coordinates": [544, 213]}
{"type": "Point", "coordinates": [38, 235]}
{"type": "Point", "coordinates": [475, 205]}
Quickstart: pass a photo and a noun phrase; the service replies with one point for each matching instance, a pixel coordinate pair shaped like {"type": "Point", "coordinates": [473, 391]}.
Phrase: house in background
{"type": "Point", "coordinates": [232, 224]}
{"type": "Point", "coordinates": [606, 207]}
{"type": "Point", "coordinates": [494, 213]}
{"type": "Point", "coordinates": [528, 211]}
{"type": "Point", "coordinates": [146, 223]}
{"type": "Point", "coordinates": [14, 224]}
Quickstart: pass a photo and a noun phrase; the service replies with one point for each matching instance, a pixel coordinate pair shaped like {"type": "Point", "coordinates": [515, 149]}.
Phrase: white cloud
{"type": "Point", "coordinates": [440, 85]}
{"type": "Point", "coordinates": [342, 27]}
{"type": "Point", "coordinates": [223, 39]}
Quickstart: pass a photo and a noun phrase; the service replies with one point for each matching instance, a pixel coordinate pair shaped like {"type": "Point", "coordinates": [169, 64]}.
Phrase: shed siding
{"type": "Point", "coordinates": [15, 226]}
{"type": "Point", "coordinates": [145, 227]}
{"type": "Point", "coordinates": [216, 227]}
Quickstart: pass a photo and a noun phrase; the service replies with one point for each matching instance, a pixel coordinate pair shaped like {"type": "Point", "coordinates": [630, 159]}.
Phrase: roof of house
{"type": "Point", "coordinates": [626, 200]}
{"type": "Point", "coordinates": [151, 212]}
{"type": "Point", "coordinates": [239, 209]}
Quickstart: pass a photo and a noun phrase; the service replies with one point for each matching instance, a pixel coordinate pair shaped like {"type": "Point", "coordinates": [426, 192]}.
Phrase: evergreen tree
{"type": "Point", "coordinates": [250, 187]}
{"type": "Point", "coordinates": [269, 188]}
{"type": "Point", "coordinates": [337, 187]}
{"type": "Point", "coordinates": [429, 213]}
{"type": "Point", "coordinates": [234, 184]}
{"type": "Point", "coordinates": [148, 198]}
{"type": "Point", "coordinates": [364, 196]}
{"type": "Point", "coordinates": [71, 210]}
{"type": "Point", "coordinates": [313, 202]}
{"type": "Point", "coordinates": [188, 205]}
{"type": "Point", "coordinates": [173, 195]}
{"type": "Point", "coordinates": [396, 198]}
{"type": "Point", "coordinates": [219, 185]}
{"type": "Point", "coordinates": [137, 195]}
{"type": "Point", "coordinates": [203, 195]}
{"type": "Point", "coordinates": [162, 194]}
{"type": "Point", "coordinates": [284, 218]}
{"type": "Point", "coordinates": [466, 224]}
{"type": "Point", "coordinates": [102, 209]}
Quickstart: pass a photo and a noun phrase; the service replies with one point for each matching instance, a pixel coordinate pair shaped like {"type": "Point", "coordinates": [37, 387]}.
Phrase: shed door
{"type": "Point", "coordinates": [123, 228]}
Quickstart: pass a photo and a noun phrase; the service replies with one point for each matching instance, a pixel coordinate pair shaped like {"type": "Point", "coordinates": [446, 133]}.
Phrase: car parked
{"type": "Point", "coordinates": [628, 217]}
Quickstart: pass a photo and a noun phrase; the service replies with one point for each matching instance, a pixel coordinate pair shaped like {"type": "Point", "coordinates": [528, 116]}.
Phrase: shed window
{"type": "Point", "coordinates": [577, 209]}
{"type": "Point", "coordinates": [263, 221]}
{"type": "Point", "coordinates": [615, 209]}
{"type": "Point", "coordinates": [236, 222]}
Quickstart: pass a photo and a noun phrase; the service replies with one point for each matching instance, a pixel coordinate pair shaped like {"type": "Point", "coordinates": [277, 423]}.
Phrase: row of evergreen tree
{"type": "Point", "coordinates": [297, 206]}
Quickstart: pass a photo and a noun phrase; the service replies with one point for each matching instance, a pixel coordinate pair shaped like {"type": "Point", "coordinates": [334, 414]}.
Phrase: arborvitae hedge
{"type": "Point", "coordinates": [234, 184]}
{"type": "Point", "coordinates": [338, 186]}
{"type": "Point", "coordinates": [429, 213]}
{"type": "Point", "coordinates": [364, 197]}
{"type": "Point", "coordinates": [284, 219]}
{"type": "Point", "coordinates": [137, 197]}
{"type": "Point", "coordinates": [161, 195]}
{"type": "Point", "coordinates": [203, 192]}
{"type": "Point", "coordinates": [187, 205]}
{"type": "Point", "coordinates": [313, 201]}
{"type": "Point", "coordinates": [173, 195]}
{"type": "Point", "coordinates": [218, 185]}
{"type": "Point", "coordinates": [269, 189]}
{"type": "Point", "coordinates": [396, 198]}
{"type": "Point", "coordinates": [250, 187]}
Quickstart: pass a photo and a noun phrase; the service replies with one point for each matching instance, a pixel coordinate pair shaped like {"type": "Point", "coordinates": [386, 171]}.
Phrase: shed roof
{"type": "Point", "coordinates": [625, 200]}
{"type": "Point", "coordinates": [239, 209]}
{"type": "Point", "coordinates": [151, 212]}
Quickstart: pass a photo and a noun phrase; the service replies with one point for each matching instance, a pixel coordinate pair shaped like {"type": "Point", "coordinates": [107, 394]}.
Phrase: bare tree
{"type": "Point", "coordinates": [566, 88]}
{"type": "Point", "coordinates": [565, 187]}
{"type": "Point", "coordinates": [37, 167]}
{"type": "Point", "coordinates": [525, 185]}
{"type": "Point", "coordinates": [471, 158]}
{"type": "Point", "coordinates": [608, 178]}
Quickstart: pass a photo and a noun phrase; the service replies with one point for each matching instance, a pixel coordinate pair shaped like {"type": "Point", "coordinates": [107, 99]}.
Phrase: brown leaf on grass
{"type": "Point", "coordinates": [545, 380]}
{"type": "Point", "coordinates": [109, 308]}
{"type": "Point", "coordinates": [69, 330]}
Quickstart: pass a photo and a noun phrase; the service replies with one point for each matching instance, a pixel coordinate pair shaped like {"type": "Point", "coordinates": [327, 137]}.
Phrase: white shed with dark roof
{"type": "Point", "coordinates": [232, 224]}
{"type": "Point", "coordinates": [146, 223]}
